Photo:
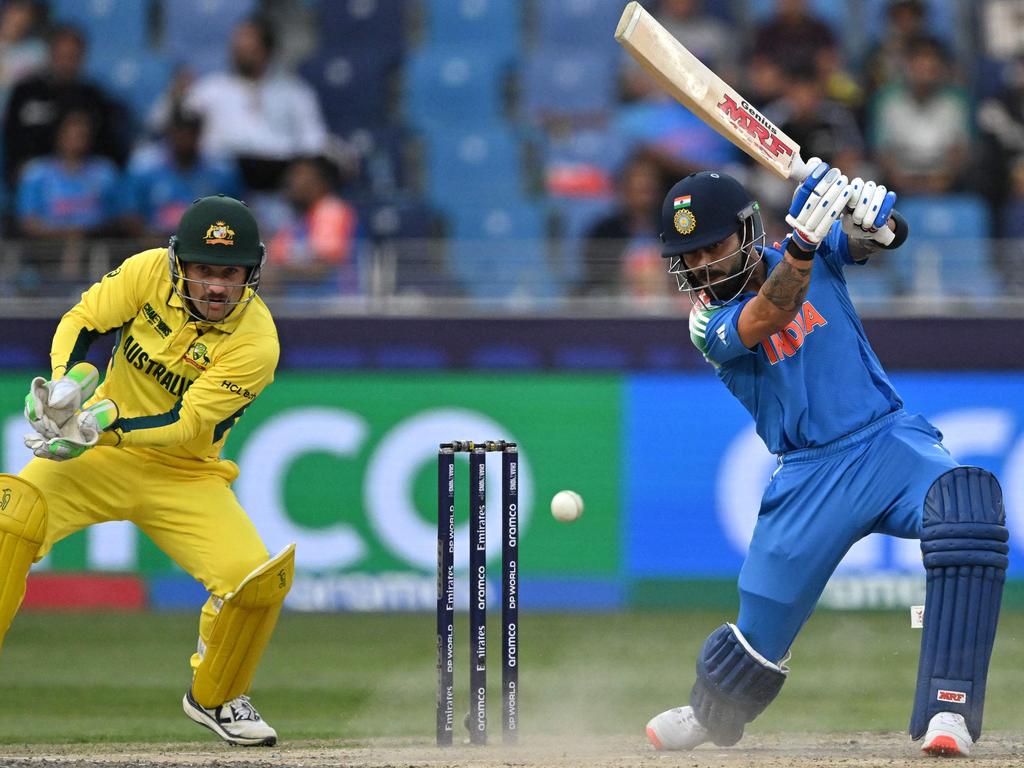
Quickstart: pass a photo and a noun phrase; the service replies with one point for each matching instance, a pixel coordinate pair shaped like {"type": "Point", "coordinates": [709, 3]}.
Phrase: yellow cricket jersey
{"type": "Point", "coordinates": [179, 384]}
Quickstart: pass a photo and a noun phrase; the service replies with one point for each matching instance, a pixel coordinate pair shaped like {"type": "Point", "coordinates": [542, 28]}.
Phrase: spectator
{"type": "Point", "coordinates": [822, 127]}
{"type": "Point", "coordinates": [70, 195]}
{"type": "Point", "coordinates": [38, 104]}
{"type": "Point", "coordinates": [1012, 232]}
{"type": "Point", "coordinates": [921, 129]}
{"type": "Point", "coordinates": [622, 252]}
{"type": "Point", "coordinates": [257, 113]}
{"type": "Point", "coordinates": [807, 42]}
{"type": "Point", "coordinates": [884, 63]}
{"type": "Point", "coordinates": [22, 50]}
{"type": "Point", "coordinates": [653, 123]}
{"type": "Point", "coordinates": [164, 180]}
{"type": "Point", "coordinates": [314, 252]}
{"type": "Point", "coordinates": [1001, 122]}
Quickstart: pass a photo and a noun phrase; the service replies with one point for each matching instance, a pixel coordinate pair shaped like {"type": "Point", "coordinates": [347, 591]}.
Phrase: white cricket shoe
{"type": "Point", "coordinates": [235, 721]}
{"type": "Point", "coordinates": [676, 729]}
{"type": "Point", "coordinates": [947, 736]}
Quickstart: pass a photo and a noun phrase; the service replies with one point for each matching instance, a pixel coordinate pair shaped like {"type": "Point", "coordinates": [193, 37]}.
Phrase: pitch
{"type": "Point", "coordinates": [358, 689]}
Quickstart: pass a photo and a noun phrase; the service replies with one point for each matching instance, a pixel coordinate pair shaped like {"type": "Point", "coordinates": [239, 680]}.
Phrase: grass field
{"type": "Point", "coordinates": [71, 678]}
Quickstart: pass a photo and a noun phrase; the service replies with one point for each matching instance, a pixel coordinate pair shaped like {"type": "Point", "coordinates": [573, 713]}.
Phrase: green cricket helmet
{"type": "Point", "coordinates": [220, 231]}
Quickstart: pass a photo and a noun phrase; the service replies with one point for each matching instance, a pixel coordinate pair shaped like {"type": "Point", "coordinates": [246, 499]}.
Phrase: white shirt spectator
{"type": "Point", "coordinates": [276, 117]}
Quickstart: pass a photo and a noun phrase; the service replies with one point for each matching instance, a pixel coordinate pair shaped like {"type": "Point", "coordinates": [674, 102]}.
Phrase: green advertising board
{"type": "Point", "coordinates": [345, 465]}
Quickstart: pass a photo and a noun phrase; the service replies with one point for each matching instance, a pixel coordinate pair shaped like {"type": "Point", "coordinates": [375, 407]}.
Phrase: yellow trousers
{"type": "Point", "coordinates": [190, 512]}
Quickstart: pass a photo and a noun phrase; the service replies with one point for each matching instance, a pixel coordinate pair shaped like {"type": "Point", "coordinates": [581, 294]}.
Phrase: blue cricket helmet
{"type": "Point", "coordinates": [702, 209]}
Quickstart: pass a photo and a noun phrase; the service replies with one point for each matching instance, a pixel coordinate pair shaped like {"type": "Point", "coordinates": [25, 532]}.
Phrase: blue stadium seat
{"type": "Point", "coordinates": [596, 152]}
{"type": "Point", "coordinates": [406, 232]}
{"type": "Point", "coordinates": [585, 25]}
{"type": "Point", "coordinates": [381, 152]}
{"type": "Point", "coordinates": [354, 87]}
{"type": "Point", "coordinates": [197, 33]}
{"type": "Point", "coordinates": [494, 26]}
{"type": "Point", "coordinates": [136, 77]}
{"type": "Point", "coordinates": [949, 248]}
{"type": "Point", "coordinates": [356, 24]}
{"type": "Point", "coordinates": [568, 84]}
{"type": "Point", "coordinates": [120, 23]}
{"type": "Point", "coordinates": [499, 251]}
{"type": "Point", "coordinates": [575, 219]}
{"type": "Point", "coordinates": [451, 87]}
{"type": "Point", "coordinates": [465, 166]}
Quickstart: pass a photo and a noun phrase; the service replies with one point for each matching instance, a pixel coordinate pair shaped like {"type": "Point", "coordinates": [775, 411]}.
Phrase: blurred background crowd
{"type": "Point", "coordinates": [403, 152]}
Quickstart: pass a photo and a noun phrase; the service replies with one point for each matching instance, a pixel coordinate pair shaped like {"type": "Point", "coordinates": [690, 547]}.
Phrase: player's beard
{"type": "Point", "coordinates": [729, 288]}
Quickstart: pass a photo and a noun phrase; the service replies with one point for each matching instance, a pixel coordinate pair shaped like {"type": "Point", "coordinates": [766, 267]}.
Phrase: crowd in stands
{"type": "Point", "coordinates": [493, 148]}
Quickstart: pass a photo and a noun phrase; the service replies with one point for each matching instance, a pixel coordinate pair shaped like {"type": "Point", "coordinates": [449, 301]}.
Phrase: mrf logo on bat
{"type": "Point", "coordinates": [757, 125]}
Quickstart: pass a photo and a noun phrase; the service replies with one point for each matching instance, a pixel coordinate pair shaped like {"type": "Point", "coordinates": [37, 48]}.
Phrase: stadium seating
{"type": "Point", "coordinates": [464, 167]}
{"type": "Point", "coordinates": [575, 85]}
{"type": "Point", "coordinates": [197, 33]}
{"type": "Point", "coordinates": [949, 250]}
{"type": "Point", "coordinates": [355, 87]}
{"type": "Point", "coordinates": [494, 26]}
{"type": "Point", "coordinates": [136, 77]}
{"type": "Point", "coordinates": [123, 24]}
{"type": "Point", "coordinates": [582, 25]}
{"type": "Point", "coordinates": [499, 250]}
{"type": "Point", "coordinates": [574, 219]}
{"type": "Point", "coordinates": [361, 25]}
{"type": "Point", "coordinates": [452, 87]}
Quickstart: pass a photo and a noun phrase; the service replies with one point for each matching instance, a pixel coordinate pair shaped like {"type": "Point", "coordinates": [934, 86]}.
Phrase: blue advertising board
{"type": "Point", "coordinates": [694, 469]}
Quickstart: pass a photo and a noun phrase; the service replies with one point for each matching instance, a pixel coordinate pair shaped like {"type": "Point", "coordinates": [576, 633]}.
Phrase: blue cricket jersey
{"type": "Point", "coordinates": [813, 382]}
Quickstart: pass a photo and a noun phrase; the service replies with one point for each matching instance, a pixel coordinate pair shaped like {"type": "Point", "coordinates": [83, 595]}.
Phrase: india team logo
{"type": "Point", "coordinates": [220, 234]}
{"type": "Point", "coordinates": [684, 220]}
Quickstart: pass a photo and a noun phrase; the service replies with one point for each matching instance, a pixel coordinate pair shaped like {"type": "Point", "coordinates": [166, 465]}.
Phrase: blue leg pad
{"type": "Point", "coordinates": [734, 685]}
{"type": "Point", "coordinates": [963, 539]}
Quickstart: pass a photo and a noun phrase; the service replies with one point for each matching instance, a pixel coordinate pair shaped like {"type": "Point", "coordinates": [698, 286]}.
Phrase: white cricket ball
{"type": "Point", "coordinates": [566, 506]}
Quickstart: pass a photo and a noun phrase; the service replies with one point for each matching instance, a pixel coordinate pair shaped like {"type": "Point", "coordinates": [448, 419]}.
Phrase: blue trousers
{"type": "Point", "coordinates": [819, 503]}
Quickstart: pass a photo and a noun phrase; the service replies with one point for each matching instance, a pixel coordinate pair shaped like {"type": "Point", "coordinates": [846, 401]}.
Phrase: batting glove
{"type": "Point", "coordinates": [49, 405]}
{"type": "Point", "coordinates": [79, 434]}
{"type": "Point", "coordinates": [817, 203]}
{"type": "Point", "coordinates": [867, 213]}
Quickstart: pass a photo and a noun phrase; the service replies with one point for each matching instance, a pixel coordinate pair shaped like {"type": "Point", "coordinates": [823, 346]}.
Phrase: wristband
{"type": "Point", "coordinates": [797, 252]}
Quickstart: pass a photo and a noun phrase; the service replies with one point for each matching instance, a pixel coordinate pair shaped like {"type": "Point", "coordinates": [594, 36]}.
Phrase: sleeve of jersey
{"type": "Point", "coordinates": [211, 405]}
{"type": "Point", "coordinates": [713, 331]}
{"type": "Point", "coordinates": [108, 304]}
{"type": "Point", "coordinates": [835, 249]}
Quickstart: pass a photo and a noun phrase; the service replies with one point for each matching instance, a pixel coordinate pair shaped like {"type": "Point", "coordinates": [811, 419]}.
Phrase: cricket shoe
{"type": "Point", "coordinates": [235, 721]}
{"type": "Point", "coordinates": [947, 736]}
{"type": "Point", "coordinates": [676, 729]}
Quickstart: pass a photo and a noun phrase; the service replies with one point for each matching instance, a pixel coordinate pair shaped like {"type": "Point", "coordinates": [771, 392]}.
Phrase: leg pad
{"type": "Point", "coordinates": [22, 529]}
{"type": "Point", "coordinates": [241, 631]}
{"type": "Point", "coordinates": [734, 685]}
{"type": "Point", "coordinates": [964, 542]}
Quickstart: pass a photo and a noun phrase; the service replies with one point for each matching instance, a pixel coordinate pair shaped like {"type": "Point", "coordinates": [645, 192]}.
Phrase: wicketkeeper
{"type": "Point", "coordinates": [779, 328]}
{"type": "Point", "coordinates": [194, 347]}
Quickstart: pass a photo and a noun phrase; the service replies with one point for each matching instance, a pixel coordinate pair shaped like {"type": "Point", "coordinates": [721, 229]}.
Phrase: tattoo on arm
{"type": "Point", "coordinates": [786, 287]}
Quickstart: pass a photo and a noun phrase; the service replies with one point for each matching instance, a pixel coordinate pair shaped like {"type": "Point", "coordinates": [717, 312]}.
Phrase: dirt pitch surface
{"type": "Point", "coordinates": [863, 750]}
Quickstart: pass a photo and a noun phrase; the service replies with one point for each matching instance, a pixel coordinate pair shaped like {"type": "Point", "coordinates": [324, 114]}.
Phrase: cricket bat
{"type": "Point", "coordinates": [706, 95]}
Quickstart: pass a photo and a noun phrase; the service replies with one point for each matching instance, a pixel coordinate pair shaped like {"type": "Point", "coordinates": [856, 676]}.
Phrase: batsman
{"type": "Point", "coordinates": [194, 346]}
{"type": "Point", "coordinates": [780, 330]}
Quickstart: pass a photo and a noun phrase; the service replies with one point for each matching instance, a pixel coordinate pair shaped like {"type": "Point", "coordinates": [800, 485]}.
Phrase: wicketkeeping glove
{"type": "Point", "coordinates": [867, 212]}
{"type": "Point", "coordinates": [79, 433]}
{"type": "Point", "coordinates": [50, 404]}
{"type": "Point", "coordinates": [817, 203]}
